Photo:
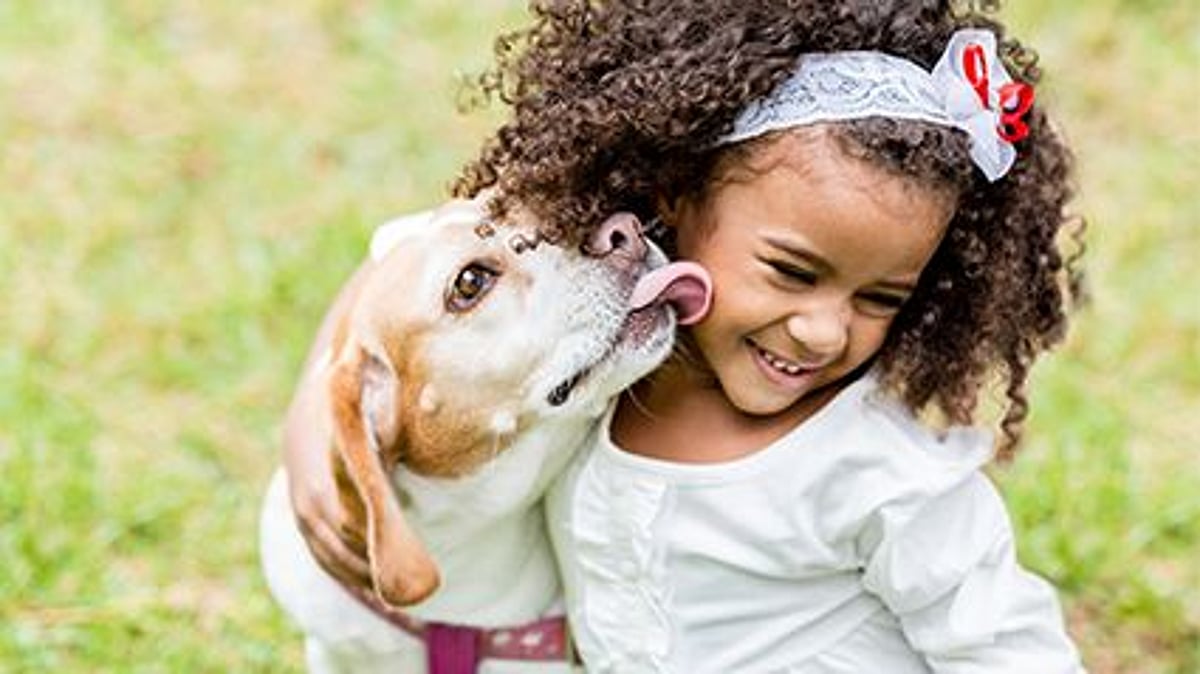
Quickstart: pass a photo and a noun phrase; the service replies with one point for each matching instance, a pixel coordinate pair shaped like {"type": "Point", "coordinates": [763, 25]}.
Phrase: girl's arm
{"type": "Point", "coordinates": [949, 572]}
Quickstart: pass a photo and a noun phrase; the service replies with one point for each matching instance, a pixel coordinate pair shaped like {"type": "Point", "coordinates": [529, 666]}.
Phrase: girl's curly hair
{"type": "Point", "coordinates": [617, 104]}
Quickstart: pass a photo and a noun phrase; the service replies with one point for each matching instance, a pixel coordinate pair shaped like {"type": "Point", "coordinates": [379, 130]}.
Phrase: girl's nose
{"type": "Point", "coordinates": [821, 331]}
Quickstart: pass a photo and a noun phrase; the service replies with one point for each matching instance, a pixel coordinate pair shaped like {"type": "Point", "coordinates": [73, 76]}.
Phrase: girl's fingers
{"type": "Point", "coordinates": [345, 561]}
{"type": "Point", "coordinates": [352, 538]}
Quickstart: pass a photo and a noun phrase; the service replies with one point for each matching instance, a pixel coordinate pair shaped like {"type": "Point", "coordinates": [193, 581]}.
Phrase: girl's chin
{"type": "Point", "coordinates": [756, 400]}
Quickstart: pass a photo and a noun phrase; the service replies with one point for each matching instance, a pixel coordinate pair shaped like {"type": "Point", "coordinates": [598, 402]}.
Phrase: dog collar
{"type": "Point", "coordinates": [458, 649]}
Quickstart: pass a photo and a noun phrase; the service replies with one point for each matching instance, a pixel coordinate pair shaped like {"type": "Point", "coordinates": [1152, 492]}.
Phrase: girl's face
{"type": "Point", "coordinates": [812, 253]}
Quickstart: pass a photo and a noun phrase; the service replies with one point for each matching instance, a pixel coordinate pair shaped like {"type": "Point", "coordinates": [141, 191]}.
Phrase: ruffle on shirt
{"type": "Point", "coordinates": [941, 557]}
{"type": "Point", "coordinates": [939, 529]}
{"type": "Point", "coordinates": [613, 529]}
{"type": "Point", "coordinates": [951, 543]}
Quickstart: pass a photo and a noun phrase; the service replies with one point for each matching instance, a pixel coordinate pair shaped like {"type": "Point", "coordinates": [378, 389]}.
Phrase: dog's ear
{"type": "Point", "coordinates": [378, 390]}
{"type": "Point", "coordinates": [363, 391]}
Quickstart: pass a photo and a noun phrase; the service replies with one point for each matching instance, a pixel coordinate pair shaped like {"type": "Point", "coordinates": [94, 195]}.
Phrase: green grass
{"type": "Point", "coordinates": [1107, 495]}
{"type": "Point", "coordinates": [183, 185]}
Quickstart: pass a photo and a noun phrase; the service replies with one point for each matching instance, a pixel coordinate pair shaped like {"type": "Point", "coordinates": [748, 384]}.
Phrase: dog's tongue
{"type": "Point", "coordinates": [685, 285]}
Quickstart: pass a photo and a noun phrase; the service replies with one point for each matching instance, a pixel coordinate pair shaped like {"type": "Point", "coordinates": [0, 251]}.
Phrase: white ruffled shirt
{"type": "Point", "coordinates": [861, 542]}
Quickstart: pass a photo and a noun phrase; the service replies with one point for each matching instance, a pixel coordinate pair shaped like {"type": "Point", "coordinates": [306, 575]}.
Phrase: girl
{"type": "Point", "coordinates": [878, 201]}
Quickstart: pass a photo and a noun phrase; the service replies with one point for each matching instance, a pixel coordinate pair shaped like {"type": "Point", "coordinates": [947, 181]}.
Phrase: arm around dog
{"type": "Point", "coordinates": [332, 534]}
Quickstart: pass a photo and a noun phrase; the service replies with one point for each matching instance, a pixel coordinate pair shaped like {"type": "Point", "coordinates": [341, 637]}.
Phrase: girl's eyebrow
{"type": "Point", "coordinates": [795, 250]}
{"type": "Point", "coordinates": [823, 266]}
{"type": "Point", "coordinates": [898, 286]}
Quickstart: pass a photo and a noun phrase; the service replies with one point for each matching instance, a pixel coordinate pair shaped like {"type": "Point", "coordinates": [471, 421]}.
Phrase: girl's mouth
{"type": "Point", "coordinates": [779, 369]}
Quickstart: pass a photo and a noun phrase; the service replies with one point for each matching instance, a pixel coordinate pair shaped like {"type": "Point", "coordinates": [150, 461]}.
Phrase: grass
{"type": "Point", "coordinates": [1106, 497]}
{"type": "Point", "coordinates": [183, 185]}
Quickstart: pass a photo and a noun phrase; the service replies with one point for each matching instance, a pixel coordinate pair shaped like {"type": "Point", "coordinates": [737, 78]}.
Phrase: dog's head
{"type": "Point", "coordinates": [465, 333]}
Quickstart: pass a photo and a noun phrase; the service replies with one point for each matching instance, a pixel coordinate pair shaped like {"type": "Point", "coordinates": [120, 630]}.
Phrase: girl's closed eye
{"type": "Point", "coordinates": [793, 273]}
{"type": "Point", "coordinates": [872, 303]}
{"type": "Point", "coordinates": [880, 303]}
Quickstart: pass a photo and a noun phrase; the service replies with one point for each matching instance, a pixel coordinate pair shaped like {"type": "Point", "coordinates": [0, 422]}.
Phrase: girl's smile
{"type": "Point", "coordinates": [811, 259]}
{"type": "Point", "coordinates": [783, 372]}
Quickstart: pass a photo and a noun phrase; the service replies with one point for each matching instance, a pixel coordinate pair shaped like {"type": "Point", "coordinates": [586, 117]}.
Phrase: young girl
{"type": "Point", "coordinates": [878, 201]}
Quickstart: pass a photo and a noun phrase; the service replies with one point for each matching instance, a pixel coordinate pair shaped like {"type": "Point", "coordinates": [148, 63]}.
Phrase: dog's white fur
{"type": "Point", "coordinates": [483, 374]}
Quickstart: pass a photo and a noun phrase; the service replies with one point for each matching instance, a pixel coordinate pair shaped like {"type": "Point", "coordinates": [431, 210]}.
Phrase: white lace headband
{"type": "Point", "coordinates": [968, 89]}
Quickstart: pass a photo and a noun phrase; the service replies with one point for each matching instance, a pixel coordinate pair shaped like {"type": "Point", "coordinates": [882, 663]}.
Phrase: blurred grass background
{"type": "Point", "coordinates": [184, 184]}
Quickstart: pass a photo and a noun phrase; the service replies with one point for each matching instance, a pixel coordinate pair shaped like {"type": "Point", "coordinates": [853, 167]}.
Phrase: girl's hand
{"type": "Point", "coordinates": [333, 533]}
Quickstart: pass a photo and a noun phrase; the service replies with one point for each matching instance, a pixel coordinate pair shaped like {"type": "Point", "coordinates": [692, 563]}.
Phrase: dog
{"type": "Point", "coordinates": [473, 361]}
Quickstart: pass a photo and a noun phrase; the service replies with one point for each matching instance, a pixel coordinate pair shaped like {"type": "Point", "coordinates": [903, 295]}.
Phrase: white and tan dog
{"type": "Point", "coordinates": [471, 364]}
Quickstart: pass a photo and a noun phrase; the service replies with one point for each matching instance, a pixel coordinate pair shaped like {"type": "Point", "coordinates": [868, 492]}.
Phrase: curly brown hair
{"type": "Point", "coordinates": [617, 104]}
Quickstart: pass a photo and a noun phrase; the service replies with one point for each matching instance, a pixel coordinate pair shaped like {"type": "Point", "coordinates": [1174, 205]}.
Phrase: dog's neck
{"type": "Point", "coordinates": [486, 530]}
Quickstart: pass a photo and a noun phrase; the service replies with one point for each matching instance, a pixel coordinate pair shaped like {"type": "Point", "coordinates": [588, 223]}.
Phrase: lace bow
{"type": "Point", "coordinates": [968, 89]}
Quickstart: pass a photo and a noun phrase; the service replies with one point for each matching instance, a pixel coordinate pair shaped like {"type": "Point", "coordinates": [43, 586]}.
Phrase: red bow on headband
{"type": "Point", "coordinates": [1014, 98]}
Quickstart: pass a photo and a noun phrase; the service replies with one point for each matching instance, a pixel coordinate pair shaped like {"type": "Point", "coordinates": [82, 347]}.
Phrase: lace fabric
{"type": "Point", "coordinates": [827, 87]}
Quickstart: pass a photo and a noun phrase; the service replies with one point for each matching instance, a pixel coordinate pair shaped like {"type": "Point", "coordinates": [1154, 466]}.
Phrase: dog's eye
{"type": "Point", "coordinates": [471, 284]}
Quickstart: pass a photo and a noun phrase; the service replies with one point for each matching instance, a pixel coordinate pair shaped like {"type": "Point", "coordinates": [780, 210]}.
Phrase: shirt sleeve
{"type": "Point", "coordinates": [946, 567]}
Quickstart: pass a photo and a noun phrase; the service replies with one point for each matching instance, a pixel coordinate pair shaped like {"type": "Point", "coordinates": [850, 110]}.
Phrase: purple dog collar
{"type": "Point", "coordinates": [458, 649]}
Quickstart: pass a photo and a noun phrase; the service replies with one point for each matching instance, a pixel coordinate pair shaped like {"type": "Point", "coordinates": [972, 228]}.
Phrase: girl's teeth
{"type": "Point", "coordinates": [779, 364]}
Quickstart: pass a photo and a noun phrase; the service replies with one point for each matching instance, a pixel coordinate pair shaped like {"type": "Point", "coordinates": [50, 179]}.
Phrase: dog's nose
{"type": "Point", "coordinates": [620, 234]}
